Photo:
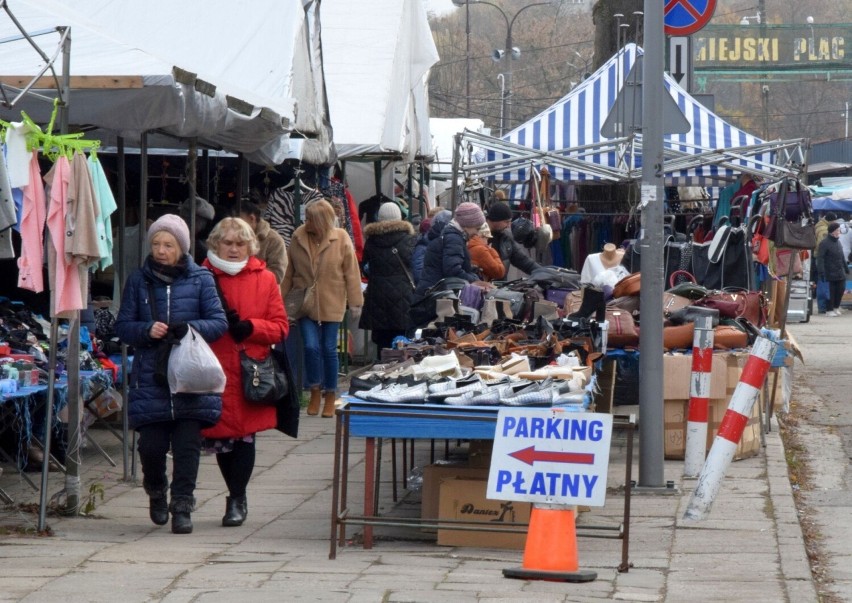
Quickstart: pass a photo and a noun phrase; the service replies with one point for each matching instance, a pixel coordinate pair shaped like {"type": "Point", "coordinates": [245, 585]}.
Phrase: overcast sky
{"type": "Point", "coordinates": [439, 6]}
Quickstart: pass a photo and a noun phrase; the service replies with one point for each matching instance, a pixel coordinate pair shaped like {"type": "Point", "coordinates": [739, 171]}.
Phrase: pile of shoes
{"type": "Point", "coordinates": [443, 380]}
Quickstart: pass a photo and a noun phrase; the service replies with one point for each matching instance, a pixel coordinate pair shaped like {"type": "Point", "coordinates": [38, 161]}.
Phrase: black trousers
{"type": "Point", "coordinates": [183, 438]}
{"type": "Point", "coordinates": [237, 466]}
{"type": "Point", "coordinates": [836, 289]}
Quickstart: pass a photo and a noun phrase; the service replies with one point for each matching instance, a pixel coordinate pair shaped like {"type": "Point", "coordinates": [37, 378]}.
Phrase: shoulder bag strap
{"type": "Point", "coordinates": [395, 251]}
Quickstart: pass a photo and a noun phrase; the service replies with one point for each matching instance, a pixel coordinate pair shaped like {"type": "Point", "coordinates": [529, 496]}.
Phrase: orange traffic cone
{"type": "Point", "coordinates": [550, 552]}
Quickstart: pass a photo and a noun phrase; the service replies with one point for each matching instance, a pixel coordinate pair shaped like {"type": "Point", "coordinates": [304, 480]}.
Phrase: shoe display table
{"type": "Point", "coordinates": [375, 421]}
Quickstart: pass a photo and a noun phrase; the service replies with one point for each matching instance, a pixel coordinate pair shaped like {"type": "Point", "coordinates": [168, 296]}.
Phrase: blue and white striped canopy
{"type": "Point", "coordinates": [575, 121]}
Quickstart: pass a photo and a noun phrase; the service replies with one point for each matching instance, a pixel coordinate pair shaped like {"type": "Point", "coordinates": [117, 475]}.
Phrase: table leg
{"type": "Point", "coordinates": [393, 468]}
{"type": "Point", "coordinates": [369, 488]}
{"type": "Point", "coordinates": [335, 490]}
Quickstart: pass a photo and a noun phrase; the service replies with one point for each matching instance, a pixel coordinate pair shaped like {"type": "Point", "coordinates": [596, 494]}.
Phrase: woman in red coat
{"type": "Point", "coordinates": [256, 321]}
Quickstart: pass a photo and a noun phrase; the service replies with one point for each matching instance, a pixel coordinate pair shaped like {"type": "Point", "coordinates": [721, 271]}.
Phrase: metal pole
{"type": "Point", "coordinates": [191, 165]}
{"type": "Point", "coordinates": [507, 97]}
{"type": "Point", "coordinates": [651, 436]}
{"type": "Point", "coordinates": [121, 275]}
{"type": "Point", "coordinates": [467, 55]}
{"type": "Point", "coordinates": [502, 79]}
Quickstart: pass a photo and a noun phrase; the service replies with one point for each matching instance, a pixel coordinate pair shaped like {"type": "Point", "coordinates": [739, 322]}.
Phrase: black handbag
{"type": "Point", "coordinates": [264, 381]}
{"type": "Point", "coordinates": [794, 230]}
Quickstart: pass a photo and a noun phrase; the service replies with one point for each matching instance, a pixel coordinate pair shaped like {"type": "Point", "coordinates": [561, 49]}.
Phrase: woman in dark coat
{"type": "Point", "coordinates": [256, 321]}
{"type": "Point", "coordinates": [447, 256]}
{"type": "Point", "coordinates": [387, 256]}
{"type": "Point", "coordinates": [184, 295]}
{"type": "Point", "coordinates": [831, 264]}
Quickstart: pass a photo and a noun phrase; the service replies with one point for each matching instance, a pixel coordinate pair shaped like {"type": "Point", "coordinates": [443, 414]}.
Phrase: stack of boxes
{"type": "Point", "coordinates": [727, 368]}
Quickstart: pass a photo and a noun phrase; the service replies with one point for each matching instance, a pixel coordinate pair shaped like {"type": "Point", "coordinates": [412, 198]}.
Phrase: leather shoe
{"type": "Point", "coordinates": [181, 523]}
{"type": "Point", "coordinates": [236, 509]}
{"type": "Point", "coordinates": [158, 509]}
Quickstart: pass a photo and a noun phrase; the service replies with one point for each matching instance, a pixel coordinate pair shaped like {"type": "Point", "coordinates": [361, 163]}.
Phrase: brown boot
{"type": "Point", "coordinates": [314, 404]}
{"type": "Point", "coordinates": [328, 405]}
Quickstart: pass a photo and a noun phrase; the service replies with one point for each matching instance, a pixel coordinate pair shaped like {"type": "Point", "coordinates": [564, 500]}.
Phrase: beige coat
{"type": "Point", "coordinates": [273, 251]}
{"type": "Point", "coordinates": [333, 266]}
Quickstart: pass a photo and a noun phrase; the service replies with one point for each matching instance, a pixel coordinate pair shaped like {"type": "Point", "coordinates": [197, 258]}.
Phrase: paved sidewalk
{"type": "Point", "coordinates": [749, 549]}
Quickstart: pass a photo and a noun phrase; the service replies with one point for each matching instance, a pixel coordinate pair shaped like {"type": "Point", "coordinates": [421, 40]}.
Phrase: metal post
{"type": "Point", "coordinates": [507, 96]}
{"type": "Point", "coordinates": [467, 56]}
{"type": "Point", "coordinates": [502, 79]}
{"type": "Point", "coordinates": [651, 436]}
{"type": "Point", "coordinates": [121, 275]}
{"type": "Point", "coordinates": [191, 161]}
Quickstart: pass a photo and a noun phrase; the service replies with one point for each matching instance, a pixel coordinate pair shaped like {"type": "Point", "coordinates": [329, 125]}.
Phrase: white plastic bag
{"type": "Point", "coordinates": [194, 368]}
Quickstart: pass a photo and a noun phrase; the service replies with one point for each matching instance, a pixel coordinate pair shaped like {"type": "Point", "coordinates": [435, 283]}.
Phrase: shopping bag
{"type": "Point", "coordinates": [194, 368]}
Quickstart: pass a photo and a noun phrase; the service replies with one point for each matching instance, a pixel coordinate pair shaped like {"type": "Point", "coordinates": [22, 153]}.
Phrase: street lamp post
{"type": "Point", "coordinates": [509, 52]}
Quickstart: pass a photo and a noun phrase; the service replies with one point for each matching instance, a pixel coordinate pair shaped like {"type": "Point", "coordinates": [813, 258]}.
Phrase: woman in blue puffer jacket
{"type": "Point", "coordinates": [183, 294]}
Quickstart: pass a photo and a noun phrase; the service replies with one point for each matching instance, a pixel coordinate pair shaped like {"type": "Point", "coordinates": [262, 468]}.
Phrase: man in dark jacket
{"type": "Point", "coordinates": [832, 267]}
{"type": "Point", "coordinates": [499, 218]}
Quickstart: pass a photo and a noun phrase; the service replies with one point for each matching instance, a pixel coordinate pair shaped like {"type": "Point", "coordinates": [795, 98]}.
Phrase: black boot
{"type": "Point", "coordinates": [181, 507]}
{"type": "Point", "coordinates": [236, 509]}
{"type": "Point", "coordinates": [593, 303]}
{"type": "Point", "coordinates": [158, 504]}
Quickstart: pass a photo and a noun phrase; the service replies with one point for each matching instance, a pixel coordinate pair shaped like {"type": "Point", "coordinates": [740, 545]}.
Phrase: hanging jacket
{"type": "Point", "coordinates": [387, 258]}
{"type": "Point", "coordinates": [254, 294]}
{"type": "Point", "coordinates": [192, 298]}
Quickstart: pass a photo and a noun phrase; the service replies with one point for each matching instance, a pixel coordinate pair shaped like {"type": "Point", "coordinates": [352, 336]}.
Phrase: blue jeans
{"type": "Point", "coordinates": [320, 352]}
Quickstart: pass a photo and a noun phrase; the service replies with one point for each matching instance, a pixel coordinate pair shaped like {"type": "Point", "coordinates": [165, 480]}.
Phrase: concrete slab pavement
{"type": "Point", "coordinates": [750, 547]}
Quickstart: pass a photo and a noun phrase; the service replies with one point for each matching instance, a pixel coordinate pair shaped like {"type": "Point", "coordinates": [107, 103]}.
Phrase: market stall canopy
{"type": "Point", "coordinates": [566, 138]}
{"type": "Point", "coordinates": [242, 75]}
{"type": "Point", "coordinates": [377, 57]}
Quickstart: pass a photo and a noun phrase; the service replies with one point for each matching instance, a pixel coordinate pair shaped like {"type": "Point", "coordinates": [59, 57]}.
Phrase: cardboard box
{"type": "Point", "coordinates": [433, 475]}
{"type": "Point", "coordinates": [675, 414]}
{"type": "Point", "coordinates": [464, 499]}
{"type": "Point", "coordinates": [677, 370]}
{"type": "Point", "coordinates": [479, 453]}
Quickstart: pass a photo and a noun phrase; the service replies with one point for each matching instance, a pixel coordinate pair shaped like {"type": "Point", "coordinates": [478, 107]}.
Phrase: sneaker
{"type": "Point", "coordinates": [400, 394]}
{"type": "Point", "coordinates": [474, 387]}
{"type": "Point", "coordinates": [832, 313]}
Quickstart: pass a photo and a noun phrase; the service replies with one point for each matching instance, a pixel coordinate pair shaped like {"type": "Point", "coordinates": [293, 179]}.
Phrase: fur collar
{"type": "Point", "coordinates": [380, 228]}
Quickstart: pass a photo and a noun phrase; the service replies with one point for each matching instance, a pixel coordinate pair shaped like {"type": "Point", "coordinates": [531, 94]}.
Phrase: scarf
{"type": "Point", "coordinates": [225, 266]}
{"type": "Point", "coordinates": [165, 273]}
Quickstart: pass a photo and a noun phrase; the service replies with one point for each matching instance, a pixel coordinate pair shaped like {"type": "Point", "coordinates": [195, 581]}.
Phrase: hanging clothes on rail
{"type": "Point", "coordinates": [281, 209]}
{"type": "Point", "coordinates": [33, 217]}
{"type": "Point", "coordinates": [8, 215]}
{"type": "Point", "coordinates": [106, 206]}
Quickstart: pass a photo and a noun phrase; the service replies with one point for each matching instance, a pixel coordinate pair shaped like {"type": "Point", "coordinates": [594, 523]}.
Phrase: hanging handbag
{"type": "Point", "coordinates": [264, 381]}
{"type": "Point", "coordinates": [794, 221]}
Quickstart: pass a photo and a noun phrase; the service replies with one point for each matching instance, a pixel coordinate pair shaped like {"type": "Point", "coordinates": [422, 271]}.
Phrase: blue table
{"type": "Point", "coordinates": [375, 420]}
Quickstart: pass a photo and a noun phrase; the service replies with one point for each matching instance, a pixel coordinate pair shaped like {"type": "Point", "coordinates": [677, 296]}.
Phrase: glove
{"type": "Point", "coordinates": [232, 316]}
{"type": "Point", "coordinates": [178, 330]}
{"type": "Point", "coordinates": [241, 330]}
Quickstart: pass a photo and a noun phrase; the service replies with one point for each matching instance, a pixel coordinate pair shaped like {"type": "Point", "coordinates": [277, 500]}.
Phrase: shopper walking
{"type": "Point", "coordinates": [256, 321]}
{"type": "Point", "coordinates": [322, 258]}
{"type": "Point", "coordinates": [161, 300]}
{"type": "Point", "coordinates": [832, 267]}
{"type": "Point", "coordinates": [386, 263]}
{"type": "Point", "coordinates": [270, 245]}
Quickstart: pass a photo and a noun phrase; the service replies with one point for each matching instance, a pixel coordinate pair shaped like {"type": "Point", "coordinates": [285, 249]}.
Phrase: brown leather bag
{"type": "Point", "coordinates": [729, 338]}
{"type": "Point", "coordinates": [679, 337]}
{"type": "Point", "coordinates": [622, 328]}
{"type": "Point", "coordinates": [629, 285]}
{"type": "Point", "coordinates": [735, 304]}
{"type": "Point", "coordinates": [672, 303]}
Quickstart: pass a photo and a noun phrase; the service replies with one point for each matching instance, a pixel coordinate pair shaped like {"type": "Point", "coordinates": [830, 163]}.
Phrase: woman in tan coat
{"type": "Point", "coordinates": [322, 258]}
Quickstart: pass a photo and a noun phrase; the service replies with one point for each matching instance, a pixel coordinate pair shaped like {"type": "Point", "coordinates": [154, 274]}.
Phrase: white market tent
{"type": "Point", "coordinates": [376, 57]}
{"type": "Point", "coordinates": [241, 75]}
{"type": "Point", "coordinates": [566, 138]}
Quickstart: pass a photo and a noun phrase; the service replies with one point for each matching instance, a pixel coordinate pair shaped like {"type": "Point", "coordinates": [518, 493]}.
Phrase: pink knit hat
{"type": "Point", "coordinates": [469, 215]}
{"type": "Point", "coordinates": [175, 226]}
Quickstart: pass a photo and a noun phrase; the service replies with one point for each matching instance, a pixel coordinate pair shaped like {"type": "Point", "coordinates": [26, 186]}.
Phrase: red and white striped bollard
{"type": "Point", "coordinates": [699, 396]}
{"type": "Point", "coordinates": [731, 429]}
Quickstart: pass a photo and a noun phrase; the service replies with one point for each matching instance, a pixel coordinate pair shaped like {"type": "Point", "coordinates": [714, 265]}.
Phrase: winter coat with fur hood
{"type": "Point", "coordinates": [387, 260]}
